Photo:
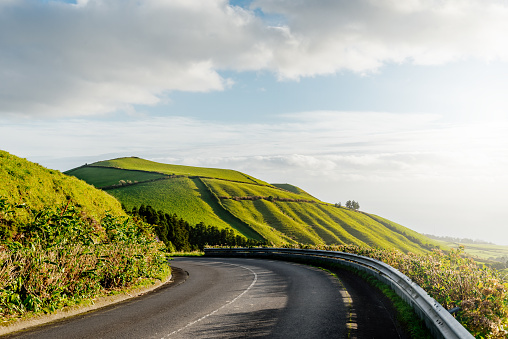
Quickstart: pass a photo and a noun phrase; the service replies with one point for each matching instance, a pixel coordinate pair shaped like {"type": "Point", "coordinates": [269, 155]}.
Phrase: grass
{"type": "Point", "coordinates": [102, 177]}
{"type": "Point", "coordinates": [254, 217]}
{"type": "Point", "coordinates": [179, 195]}
{"type": "Point", "coordinates": [280, 213]}
{"type": "Point", "coordinates": [134, 163]}
{"type": "Point", "coordinates": [188, 254]}
{"type": "Point", "coordinates": [229, 189]}
{"type": "Point", "coordinates": [294, 189]}
{"type": "Point", "coordinates": [24, 182]}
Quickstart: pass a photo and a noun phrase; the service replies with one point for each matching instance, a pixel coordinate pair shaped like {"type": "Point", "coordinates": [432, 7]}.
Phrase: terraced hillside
{"type": "Point", "coordinates": [278, 213]}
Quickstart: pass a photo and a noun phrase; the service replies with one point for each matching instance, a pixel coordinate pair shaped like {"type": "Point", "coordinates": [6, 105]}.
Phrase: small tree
{"type": "Point", "coordinates": [353, 205]}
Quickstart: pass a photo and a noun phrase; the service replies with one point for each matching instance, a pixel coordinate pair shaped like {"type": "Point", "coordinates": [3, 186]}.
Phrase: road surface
{"type": "Point", "coordinates": [239, 298]}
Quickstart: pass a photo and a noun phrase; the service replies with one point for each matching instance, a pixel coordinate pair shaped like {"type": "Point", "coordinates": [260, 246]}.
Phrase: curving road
{"type": "Point", "coordinates": [239, 298]}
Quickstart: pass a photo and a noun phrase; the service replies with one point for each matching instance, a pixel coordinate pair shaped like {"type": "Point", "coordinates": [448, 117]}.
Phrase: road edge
{"type": "Point", "coordinates": [71, 311]}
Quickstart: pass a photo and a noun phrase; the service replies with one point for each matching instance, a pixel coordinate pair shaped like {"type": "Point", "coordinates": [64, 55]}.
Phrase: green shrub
{"type": "Point", "coordinates": [453, 280]}
{"type": "Point", "coordinates": [61, 256]}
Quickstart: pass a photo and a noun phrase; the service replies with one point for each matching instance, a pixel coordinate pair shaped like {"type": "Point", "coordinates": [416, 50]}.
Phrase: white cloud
{"type": "Point", "coordinates": [362, 35]}
{"type": "Point", "coordinates": [99, 56]}
{"type": "Point", "coordinates": [415, 170]}
{"type": "Point", "coordinates": [367, 145]}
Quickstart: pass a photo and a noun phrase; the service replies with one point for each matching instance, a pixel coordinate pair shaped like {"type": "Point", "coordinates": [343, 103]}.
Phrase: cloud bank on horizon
{"type": "Point", "coordinates": [98, 56]}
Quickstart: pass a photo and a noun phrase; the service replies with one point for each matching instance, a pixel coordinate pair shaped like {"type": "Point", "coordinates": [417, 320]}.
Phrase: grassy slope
{"type": "Point", "coordinates": [197, 199]}
{"type": "Point", "coordinates": [314, 223]}
{"type": "Point", "coordinates": [228, 189]}
{"type": "Point", "coordinates": [150, 166]}
{"type": "Point", "coordinates": [294, 189]}
{"type": "Point", "coordinates": [38, 187]}
{"type": "Point", "coordinates": [102, 177]}
{"type": "Point", "coordinates": [179, 195]}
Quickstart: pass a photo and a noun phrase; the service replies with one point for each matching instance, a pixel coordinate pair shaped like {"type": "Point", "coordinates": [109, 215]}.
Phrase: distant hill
{"type": "Point", "coordinates": [278, 213]}
{"type": "Point", "coordinates": [25, 183]}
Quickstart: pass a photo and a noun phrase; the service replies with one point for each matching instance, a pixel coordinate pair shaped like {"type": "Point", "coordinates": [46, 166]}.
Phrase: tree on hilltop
{"type": "Point", "coordinates": [353, 205]}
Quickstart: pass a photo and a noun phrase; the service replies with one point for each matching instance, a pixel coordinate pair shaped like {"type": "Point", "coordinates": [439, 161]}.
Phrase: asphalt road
{"type": "Point", "coordinates": [239, 298]}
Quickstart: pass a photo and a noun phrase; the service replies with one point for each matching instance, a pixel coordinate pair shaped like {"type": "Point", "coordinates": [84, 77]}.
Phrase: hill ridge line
{"type": "Point", "coordinates": [173, 176]}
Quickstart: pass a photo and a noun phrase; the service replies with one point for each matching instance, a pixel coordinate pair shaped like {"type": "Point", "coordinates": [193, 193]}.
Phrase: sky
{"type": "Point", "coordinates": [399, 105]}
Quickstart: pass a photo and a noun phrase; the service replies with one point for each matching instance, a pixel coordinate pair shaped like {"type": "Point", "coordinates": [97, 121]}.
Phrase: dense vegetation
{"type": "Point", "coordinates": [62, 241]}
{"type": "Point", "coordinates": [60, 256]}
{"type": "Point", "coordinates": [179, 235]}
{"type": "Point", "coordinates": [278, 214]}
{"type": "Point", "coordinates": [453, 280]}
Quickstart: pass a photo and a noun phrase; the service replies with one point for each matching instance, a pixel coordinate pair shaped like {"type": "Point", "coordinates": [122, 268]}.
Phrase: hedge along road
{"type": "Point", "coordinates": [236, 298]}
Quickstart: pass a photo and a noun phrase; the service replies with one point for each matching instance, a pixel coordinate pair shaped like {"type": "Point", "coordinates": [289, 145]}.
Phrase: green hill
{"type": "Point", "coordinates": [35, 187]}
{"type": "Point", "coordinates": [278, 213]}
{"type": "Point", "coordinates": [64, 242]}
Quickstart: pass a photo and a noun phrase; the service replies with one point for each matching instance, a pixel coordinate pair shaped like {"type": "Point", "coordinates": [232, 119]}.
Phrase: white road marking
{"type": "Point", "coordinates": [217, 310]}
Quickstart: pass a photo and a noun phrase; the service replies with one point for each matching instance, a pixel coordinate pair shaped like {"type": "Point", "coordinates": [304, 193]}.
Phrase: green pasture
{"type": "Point", "coordinates": [195, 198]}
{"type": "Point", "coordinates": [369, 231]}
{"type": "Point", "coordinates": [234, 189]}
{"type": "Point", "coordinates": [178, 195]}
{"type": "Point", "coordinates": [482, 251]}
{"type": "Point", "coordinates": [185, 197]}
{"type": "Point", "coordinates": [246, 211]}
{"type": "Point", "coordinates": [295, 189]}
{"type": "Point", "coordinates": [107, 176]}
{"type": "Point", "coordinates": [24, 182]}
{"type": "Point", "coordinates": [317, 224]}
{"type": "Point", "coordinates": [134, 163]}
{"type": "Point", "coordinates": [415, 237]}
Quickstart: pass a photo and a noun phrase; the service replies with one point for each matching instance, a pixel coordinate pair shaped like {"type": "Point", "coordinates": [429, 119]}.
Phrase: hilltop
{"type": "Point", "coordinates": [277, 213]}
{"type": "Point", "coordinates": [27, 184]}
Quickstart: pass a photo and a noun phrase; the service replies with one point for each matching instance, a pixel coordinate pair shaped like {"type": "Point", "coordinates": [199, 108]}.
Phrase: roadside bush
{"type": "Point", "coordinates": [62, 256]}
{"type": "Point", "coordinates": [453, 280]}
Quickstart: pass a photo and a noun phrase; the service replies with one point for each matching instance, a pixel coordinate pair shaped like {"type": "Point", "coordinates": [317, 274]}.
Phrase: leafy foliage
{"type": "Point", "coordinates": [353, 205]}
{"type": "Point", "coordinates": [61, 256]}
{"type": "Point", "coordinates": [453, 280]}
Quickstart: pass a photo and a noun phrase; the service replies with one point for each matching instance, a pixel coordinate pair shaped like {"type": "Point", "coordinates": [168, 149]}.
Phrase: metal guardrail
{"type": "Point", "coordinates": [440, 322]}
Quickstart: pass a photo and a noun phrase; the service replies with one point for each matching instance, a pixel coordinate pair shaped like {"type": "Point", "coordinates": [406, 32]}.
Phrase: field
{"type": "Point", "coordinates": [312, 223]}
{"type": "Point", "coordinates": [102, 177]}
{"type": "Point", "coordinates": [294, 189]}
{"type": "Point", "coordinates": [228, 189]}
{"type": "Point", "coordinates": [490, 254]}
{"type": "Point", "coordinates": [280, 214]}
{"type": "Point", "coordinates": [183, 196]}
{"type": "Point", "coordinates": [150, 166]}
{"type": "Point", "coordinates": [483, 251]}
